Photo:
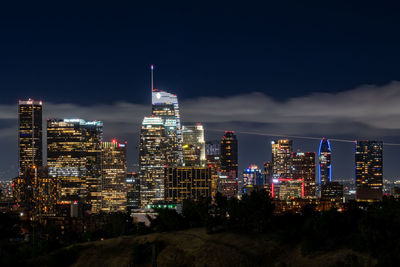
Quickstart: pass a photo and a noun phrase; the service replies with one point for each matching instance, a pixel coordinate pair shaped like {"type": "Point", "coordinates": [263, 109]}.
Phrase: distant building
{"type": "Point", "coordinates": [324, 166]}
{"type": "Point", "coordinates": [268, 173]}
{"type": "Point", "coordinates": [133, 191]}
{"type": "Point", "coordinates": [282, 158]}
{"type": "Point", "coordinates": [253, 176]}
{"type": "Point", "coordinates": [113, 175]}
{"type": "Point", "coordinates": [369, 170]}
{"type": "Point", "coordinates": [187, 183]}
{"type": "Point", "coordinates": [74, 159]}
{"type": "Point", "coordinates": [213, 157]}
{"type": "Point", "coordinates": [332, 191]}
{"type": "Point", "coordinates": [153, 157]}
{"type": "Point", "coordinates": [213, 148]}
{"type": "Point", "coordinates": [36, 192]}
{"type": "Point", "coordinates": [304, 168]}
{"type": "Point", "coordinates": [227, 183]}
{"type": "Point", "coordinates": [287, 188]}
{"type": "Point", "coordinates": [30, 150]}
{"type": "Point", "coordinates": [229, 152]}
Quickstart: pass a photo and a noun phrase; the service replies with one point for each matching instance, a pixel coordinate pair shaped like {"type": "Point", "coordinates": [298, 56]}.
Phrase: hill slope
{"type": "Point", "coordinates": [196, 248]}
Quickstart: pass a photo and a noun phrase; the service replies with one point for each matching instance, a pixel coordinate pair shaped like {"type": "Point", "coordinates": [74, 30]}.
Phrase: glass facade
{"type": "Point", "coordinates": [165, 106]}
{"type": "Point", "coordinates": [324, 167]}
{"type": "Point", "coordinates": [194, 150]}
{"type": "Point", "coordinates": [74, 158]}
{"type": "Point", "coordinates": [229, 152]}
{"type": "Point", "coordinates": [187, 183]}
{"type": "Point", "coordinates": [282, 158]}
{"type": "Point", "coordinates": [304, 168]}
{"type": "Point", "coordinates": [113, 176]}
{"type": "Point", "coordinates": [29, 134]}
{"type": "Point", "coordinates": [369, 170]}
{"type": "Point", "coordinates": [153, 157]}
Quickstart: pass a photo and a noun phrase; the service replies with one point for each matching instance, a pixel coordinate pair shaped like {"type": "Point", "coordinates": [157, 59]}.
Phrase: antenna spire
{"type": "Point", "coordinates": [152, 77]}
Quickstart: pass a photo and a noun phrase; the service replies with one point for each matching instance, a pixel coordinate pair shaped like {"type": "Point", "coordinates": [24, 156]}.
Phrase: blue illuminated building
{"type": "Point", "coordinates": [324, 166]}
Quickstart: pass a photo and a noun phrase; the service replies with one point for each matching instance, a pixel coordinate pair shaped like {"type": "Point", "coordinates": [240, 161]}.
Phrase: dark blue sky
{"type": "Point", "coordinates": [100, 51]}
{"type": "Point", "coordinates": [92, 53]}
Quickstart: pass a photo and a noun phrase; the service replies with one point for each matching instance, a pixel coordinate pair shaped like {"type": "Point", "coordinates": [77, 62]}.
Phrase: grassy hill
{"type": "Point", "coordinates": [196, 248]}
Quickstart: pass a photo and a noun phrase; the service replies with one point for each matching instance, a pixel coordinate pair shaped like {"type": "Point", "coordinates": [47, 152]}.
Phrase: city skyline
{"type": "Point", "coordinates": [310, 141]}
{"type": "Point", "coordinates": [267, 69]}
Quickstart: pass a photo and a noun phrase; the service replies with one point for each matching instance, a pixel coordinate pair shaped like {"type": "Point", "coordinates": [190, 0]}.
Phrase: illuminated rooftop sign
{"type": "Point", "coordinates": [83, 122]}
{"type": "Point", "coordinates": [160, 97]}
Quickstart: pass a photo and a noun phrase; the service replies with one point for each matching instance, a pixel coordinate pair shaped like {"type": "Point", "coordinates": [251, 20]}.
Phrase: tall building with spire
{"type": "Point", "coordinates": [30, 150]}
{"type": "Point", "coordinates": [165, 106]}
{"type": "Point", "coordinates": [324, 166]}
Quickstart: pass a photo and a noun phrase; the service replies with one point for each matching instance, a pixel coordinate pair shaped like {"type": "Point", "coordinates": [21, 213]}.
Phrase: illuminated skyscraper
{"type": "Point", "coordinates": [113, 175]}
{"type": "Point", "coordinates": [253, 176]}
{"type": "Point", "coordinates": [194, 150]}
{"type": "Point", "coordinates": [187, 183]}
{"type": "Point", "coordinates": [304, 168]}
{"type": "Point", "coordinates": [229, 152]}
{"type": "Point", "coordinates": [282, 158]}
{"type": "Point", "coordinates": [213, 154]}
{"type": "Point", "coordinates": [165, 106]}
{"type": "Point", "coordinates": [29, 134]}
{"type": "Point", "coordinates": [324, 166]}
{"type": "Point", "coordinates": [369, 170]}
{"type": "Point", "coordinates": [153, 157]}
{"type": "Point", "coordinates": [36, 192]}
{"type": "Point", "coordinates": [74, 158]}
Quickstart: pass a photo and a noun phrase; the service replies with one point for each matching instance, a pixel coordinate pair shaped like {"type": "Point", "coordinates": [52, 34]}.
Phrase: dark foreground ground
{"type": "Point", "coordinates": [196, 248]}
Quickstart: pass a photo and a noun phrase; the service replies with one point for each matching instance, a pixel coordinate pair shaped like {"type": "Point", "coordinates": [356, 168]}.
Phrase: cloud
{"type": "Point", "coordinates": [367, 107]}
{"type": "Point", "coordinates": [367, 111]}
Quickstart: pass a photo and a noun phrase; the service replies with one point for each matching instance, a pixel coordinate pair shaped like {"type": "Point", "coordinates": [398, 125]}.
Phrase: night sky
{"type": "Point", "coordinates": [287, 68]}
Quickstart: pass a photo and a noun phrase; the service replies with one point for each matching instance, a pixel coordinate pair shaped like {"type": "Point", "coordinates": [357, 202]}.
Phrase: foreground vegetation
{"type": "Point", "coordinates": [215, 234]}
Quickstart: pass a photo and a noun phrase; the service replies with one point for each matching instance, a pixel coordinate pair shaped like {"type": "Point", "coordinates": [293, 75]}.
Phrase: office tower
{"type": "Point", "coordinates": [165, 106]}
{"type": "Point", "coordinates": [113, 175]}
{"type": "Point", "coordinates": [213, 154]}
{"type": "Point", "coordinates": [253, 176]}
{"type": "Point", "coordinates": [324, 166]}
{"type": "Point", "coordinates": [369, 170]}
{"type": "Point", "coordinates": [133, 191]}
{"type": "Point", "coordinates": [229, 152]}
{"type": "Point", "coordinates": [29, 134]}
{"type": "Point", "coordinates": [36, 192]}
{"type": "Point", "coordinates": [282, 158]}
{"type": "Point", "coordinates": [332, 192]}
{"type": "Point", "coordinates": [194, 151]}
{"type": "Point", "coordinates": [287, 188]}
{"type": "Point", "coordinates": [227, 183]}
{"type": "Point", "coordinates": [187, 183]}
{"type": "Point", "coordinates": [153, 157]}
{"type": "Point", "coordinates": [74, 158]}
{"type": "Point", "coordinates": [213, 148]}
{"type": "Point", "coordinates": [304, 168]}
